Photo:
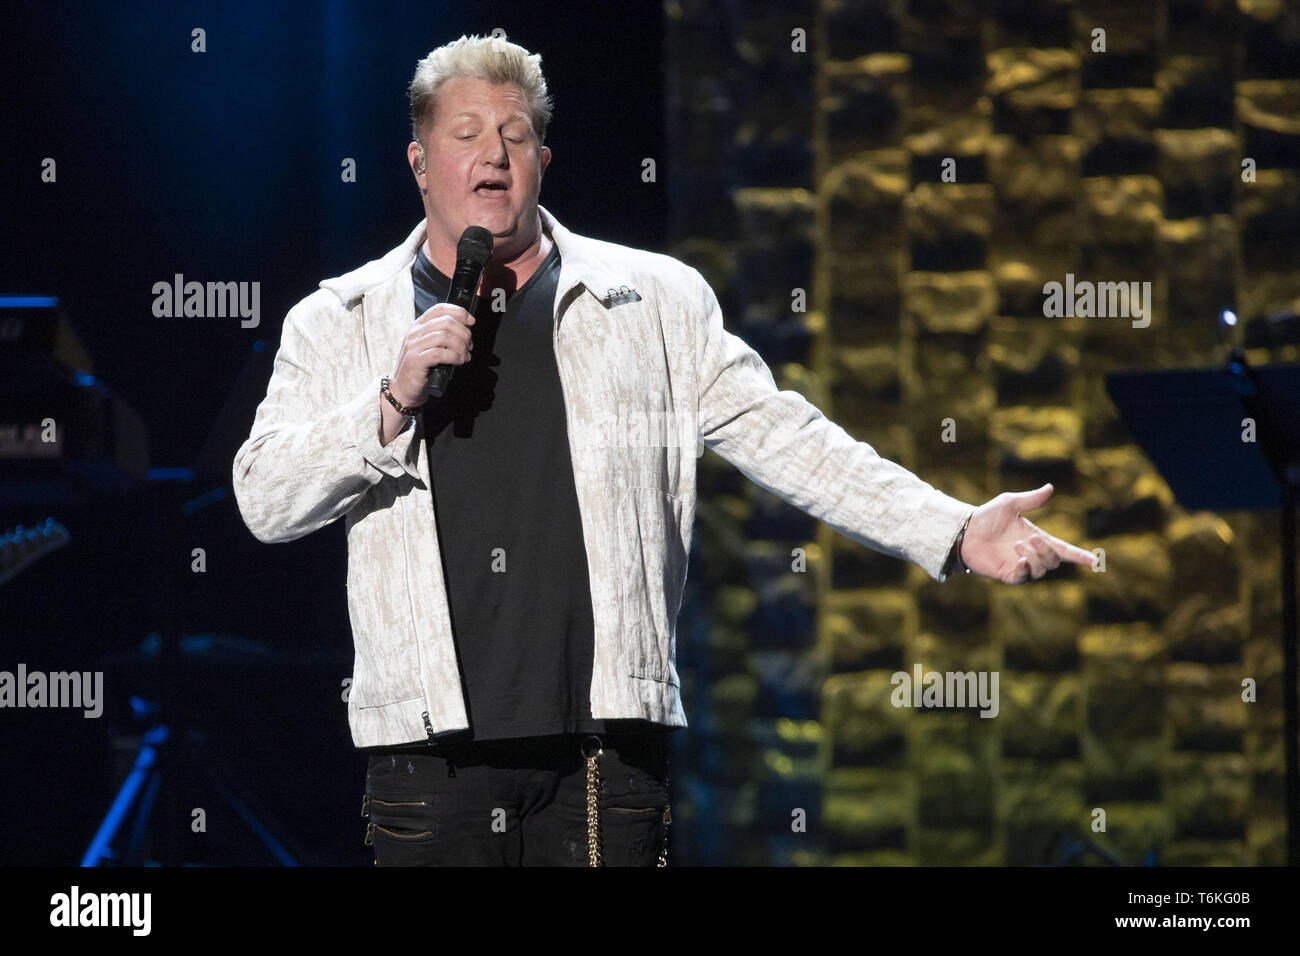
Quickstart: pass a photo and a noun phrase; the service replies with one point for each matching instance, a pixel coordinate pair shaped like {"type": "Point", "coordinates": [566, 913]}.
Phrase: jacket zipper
{"type": "Point", "coordinates": [419, 657]}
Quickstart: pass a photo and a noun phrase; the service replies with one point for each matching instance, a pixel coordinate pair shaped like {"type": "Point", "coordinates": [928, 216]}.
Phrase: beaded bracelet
{"type": "Point", "coordinates": [408, 410]}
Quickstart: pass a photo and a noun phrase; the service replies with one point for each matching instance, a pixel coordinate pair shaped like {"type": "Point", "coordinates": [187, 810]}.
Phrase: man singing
{"type": "Point", "coordinates": [516, 551]}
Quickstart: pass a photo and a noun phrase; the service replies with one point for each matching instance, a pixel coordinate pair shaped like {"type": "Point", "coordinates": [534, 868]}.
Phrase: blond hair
{"type": "Point", "coordinates": [490, 58]}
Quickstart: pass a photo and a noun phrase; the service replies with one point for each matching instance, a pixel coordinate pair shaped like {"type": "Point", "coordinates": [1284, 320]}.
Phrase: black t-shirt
{"type": "Point", "coordinates": [509, 529]}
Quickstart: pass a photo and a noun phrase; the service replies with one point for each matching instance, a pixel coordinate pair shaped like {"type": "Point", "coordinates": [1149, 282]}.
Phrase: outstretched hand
{"type": "Point", "coordinates": [1000, 543]}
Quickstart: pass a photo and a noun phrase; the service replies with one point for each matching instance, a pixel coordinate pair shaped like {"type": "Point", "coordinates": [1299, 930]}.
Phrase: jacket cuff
{"type": "Point", "coordinates": [936, 537]}
{"type": "Point", "coordinates": [399, 456]}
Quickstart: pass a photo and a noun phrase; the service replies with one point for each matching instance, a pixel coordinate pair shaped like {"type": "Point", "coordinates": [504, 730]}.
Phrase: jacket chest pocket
{"type": "Point", "coordinates": [622, 360]}
{"type": "Point", "coordinates": [631, 410]}
{"type": "Point", "coordinates": [651, 569]}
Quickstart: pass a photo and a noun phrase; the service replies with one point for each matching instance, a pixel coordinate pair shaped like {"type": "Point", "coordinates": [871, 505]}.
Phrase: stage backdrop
{"type": "Point", "coordinates": [912, 174]}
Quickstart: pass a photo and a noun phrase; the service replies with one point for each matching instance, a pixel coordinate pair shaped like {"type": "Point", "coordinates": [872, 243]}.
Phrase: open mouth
{"type": "Point", "coordinates": [487, 188]}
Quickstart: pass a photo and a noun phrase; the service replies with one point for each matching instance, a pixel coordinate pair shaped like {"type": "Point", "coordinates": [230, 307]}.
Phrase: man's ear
{"type": "Point", "coordinates": [415, 159]}
{"type": "Point", "coordinates": [545, 161]}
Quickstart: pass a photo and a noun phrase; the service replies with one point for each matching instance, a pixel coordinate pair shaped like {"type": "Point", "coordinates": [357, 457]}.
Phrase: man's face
{"type": "Point", "coordinates": [483, 166]}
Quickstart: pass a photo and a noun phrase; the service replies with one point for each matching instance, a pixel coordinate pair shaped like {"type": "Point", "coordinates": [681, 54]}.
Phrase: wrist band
{"type": "Point", "coordinates": [955, 564]}
{"type": "Point", "coordinates": [408, 410]}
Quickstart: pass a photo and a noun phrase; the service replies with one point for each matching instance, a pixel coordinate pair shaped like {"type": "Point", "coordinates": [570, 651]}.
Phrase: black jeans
{"type": "Point", "coordinates": [519, 802]}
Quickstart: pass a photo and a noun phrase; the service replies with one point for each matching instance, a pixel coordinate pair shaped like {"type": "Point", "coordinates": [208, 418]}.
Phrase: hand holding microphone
{"type": "Point", "coordinates": [440, 339]}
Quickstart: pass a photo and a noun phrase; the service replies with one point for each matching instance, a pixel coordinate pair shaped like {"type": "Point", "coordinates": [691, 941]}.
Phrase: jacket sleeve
{"type": "Point", "coordinates": [783, 443]}
{"type": "Point", "coordinates": [314, 447]}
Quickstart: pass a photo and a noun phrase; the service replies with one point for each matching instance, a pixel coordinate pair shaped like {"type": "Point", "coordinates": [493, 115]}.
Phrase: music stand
{"type": "Point", "coordinates": [1190, 424]}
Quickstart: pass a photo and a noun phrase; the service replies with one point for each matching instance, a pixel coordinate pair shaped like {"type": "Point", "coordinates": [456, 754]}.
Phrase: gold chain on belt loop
{"type": "Point", "coordinates": [592, 756]}
{"type": "Point", "coordinates": [593, 821]}
{"type": "Point", "coordinates": [668, 812]}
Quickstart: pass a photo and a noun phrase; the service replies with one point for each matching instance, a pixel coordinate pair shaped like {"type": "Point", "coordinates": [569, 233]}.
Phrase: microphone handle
{"type": "Point", "coordinates": [464, 286]}
{"type": "Point", "coordinates": [439, 379]}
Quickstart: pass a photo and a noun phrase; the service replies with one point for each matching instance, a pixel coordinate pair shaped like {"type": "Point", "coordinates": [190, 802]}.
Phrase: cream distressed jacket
{"type": "Point", "coordinates": [649, 376]}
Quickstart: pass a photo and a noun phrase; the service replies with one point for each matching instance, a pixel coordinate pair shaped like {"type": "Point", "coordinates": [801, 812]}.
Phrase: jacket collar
{"type": "Point", "coordinates": [582, 261]}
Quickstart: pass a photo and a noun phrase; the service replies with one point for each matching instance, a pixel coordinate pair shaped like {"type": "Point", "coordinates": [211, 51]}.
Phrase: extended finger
{"type": "Point", "coordinates": [1065, 550]}
{"type": "Point", "coordinates": [1069, 552]}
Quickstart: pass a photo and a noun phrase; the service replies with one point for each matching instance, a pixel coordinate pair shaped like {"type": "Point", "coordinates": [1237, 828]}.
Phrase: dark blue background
{"type": "Point", "coordinates": [225, 166]}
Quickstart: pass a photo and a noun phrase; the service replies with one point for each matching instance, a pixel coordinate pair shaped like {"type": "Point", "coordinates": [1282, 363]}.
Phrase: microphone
{"type": "Point", "coordinates": [472, 253]}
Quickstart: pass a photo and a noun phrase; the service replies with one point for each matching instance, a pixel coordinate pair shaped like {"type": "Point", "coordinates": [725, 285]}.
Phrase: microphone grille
{"type": "Point", "coordinates": [475, 244]}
